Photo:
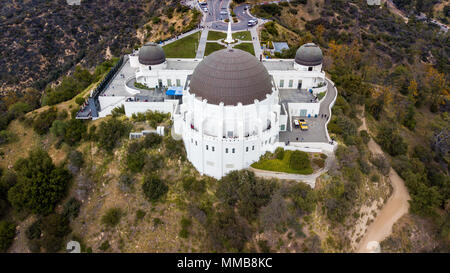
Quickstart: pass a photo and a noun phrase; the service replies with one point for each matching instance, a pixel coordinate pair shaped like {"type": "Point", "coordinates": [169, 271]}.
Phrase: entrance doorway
{"type": "Point", "coordinates": [299, 85]}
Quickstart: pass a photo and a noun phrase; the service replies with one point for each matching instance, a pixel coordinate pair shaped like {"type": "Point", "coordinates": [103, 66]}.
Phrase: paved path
{"type": "Point", "coordinates": [396, 206]}
{"type": "Point", "coordinates": [308, 179]}
{"type": "Point", "coordinates": [202, 44]}
{"type": "Point", "coordinates": [256, 42]}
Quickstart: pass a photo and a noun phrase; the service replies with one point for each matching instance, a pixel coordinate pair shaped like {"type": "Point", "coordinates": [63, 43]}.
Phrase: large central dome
{"type": "Point", "coordinates": [231, 76]}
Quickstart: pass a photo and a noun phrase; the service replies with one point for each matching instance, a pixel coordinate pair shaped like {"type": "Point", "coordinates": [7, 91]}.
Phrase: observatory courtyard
{"type": "Point", "coordinates": [229, 108]}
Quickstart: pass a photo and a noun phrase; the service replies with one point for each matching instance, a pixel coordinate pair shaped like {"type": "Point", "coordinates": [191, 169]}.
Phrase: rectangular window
{"type": "Point", "coordinates": [291, 83]}
{"type": "Point", "coordinates": [206, 147]}
{"type": "Point", "coordinates": [281, 83]}
{"type": "Point", "coordinates": [178, 82]}
{"type": "Point", "coordinates": [310, 68]}
{"type": "Point", "coordinates": [213, 148]}
{"type": "Point", "coordinates": [196, 143]}
{"type": "Point", "coordinates": [246, 149]}
{"type": "Point", "coordinates": [253, 148]}
{"type": "Point", "coordinates": [226, 150]}
{"type": "Point", "coordinates": [233, 150]}
{"type": "Point", "coordinates": [169, 82]}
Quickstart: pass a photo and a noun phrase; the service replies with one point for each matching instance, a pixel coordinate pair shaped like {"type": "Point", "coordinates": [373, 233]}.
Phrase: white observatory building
{"type": "Point", "coordinates": [230, 113]}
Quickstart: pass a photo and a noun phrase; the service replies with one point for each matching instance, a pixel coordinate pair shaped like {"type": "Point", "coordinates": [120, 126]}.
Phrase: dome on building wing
{"type": "Point", "coordinates": [231, 76]}
{"type": "Point", "coordinates": [309, 55]}
{"type": "Point", "coordinates": [151, 54]}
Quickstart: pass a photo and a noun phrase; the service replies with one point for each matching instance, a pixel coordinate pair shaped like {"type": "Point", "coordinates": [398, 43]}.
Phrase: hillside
{"type": "Point", "coordinates": [45, 39]}
{"type": "Point", "coordinates": [114, 194]}
{"type": "Point", "coordinates": [399, 73]}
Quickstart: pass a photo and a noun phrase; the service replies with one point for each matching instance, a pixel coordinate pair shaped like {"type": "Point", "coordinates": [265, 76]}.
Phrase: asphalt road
{"type": "Point", "coordinates": [216, 21]}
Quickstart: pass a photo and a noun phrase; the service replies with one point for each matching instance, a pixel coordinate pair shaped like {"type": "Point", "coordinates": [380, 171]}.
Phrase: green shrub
{"type": "Point", "coordinates": [136, 160]}
{"type": "Point", "coordinates": [40, 184]}
{"type": "Point", "coordinates": [151, 140]}
{"type": "Point", "coordinates": [279, 153]}
{"type": "Point", "coordinates": [191, 184]}
{"type": "Point", "coordinates": [34, 230]}
{"type": "Point", "coordinates": [104, 246]}
{"type": "Point", "coordinates": [7, 234]}
{"type": "Point", "coordinates": [364, 136]}
{"type": "Point", "coordinates": [391, 141]}
{"type": "Point", "coordinates": [118, 111]}
{"type": "Point", "coordinates": [110, 133]}
{"type": "Point", "coordinates": [299, 161]}
{"type": "Point", "coordinates": [71, 209]}
{"type": "Point", "coordinates": [112, 217]}
{"type": "Point", "coordinates": [154, 188]}
{"type": "Point", "coordinates": [185, 224]}
{"type": "Point", "coordinates": [75, 130]}
{"type": "Point", "coordinates": [140, 214]}
{"type": "Point", "coordinates": [43, 121]}
{"type": "Point", "coordinates": [79, 100]}
{"type": "Point", "coordinates": [381, 163]}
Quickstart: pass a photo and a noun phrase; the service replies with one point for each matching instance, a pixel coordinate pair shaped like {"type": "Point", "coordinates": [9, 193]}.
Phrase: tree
{"type": "Point", "coordinates": [111, 132]}
{"type": "Point", "coordinates": [40, 184]}
{"type": "Point", "coordinates": [74, 131]}
{"type": "Point", "coordinates": [42, 123]}
{"type": "Point", "coordinates": [7, 234]}
{"type": "Point", "coordinates": [391, 141]}
{"type": "Point", "coordinates": [243, 190]}
{"type": "Point", "coordinates": [154, 188]}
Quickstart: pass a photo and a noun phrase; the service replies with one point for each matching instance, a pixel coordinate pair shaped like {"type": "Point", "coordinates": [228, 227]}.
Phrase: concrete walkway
{"type": "Point", "coordinates": [256, 43]}
{"type": "Point", "coordinates": [308, 179]}
{"type": "Point", "coordinates": [202, 44]}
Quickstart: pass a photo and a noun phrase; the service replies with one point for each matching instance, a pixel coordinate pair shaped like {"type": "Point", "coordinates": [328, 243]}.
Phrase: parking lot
{"type": "Point", "coordinates": [315, 133]}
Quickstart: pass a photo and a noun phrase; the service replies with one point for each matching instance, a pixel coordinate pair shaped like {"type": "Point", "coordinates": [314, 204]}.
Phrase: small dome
{"type": "Point", "coordinates": [231, 76]}
{"type": "Point", "coordinates": [309, 55]}
{"type": "Point", "coordinates": [151, 54]}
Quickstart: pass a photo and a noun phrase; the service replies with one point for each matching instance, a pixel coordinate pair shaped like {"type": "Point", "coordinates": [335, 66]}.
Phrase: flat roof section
{"type": "Point", "coordinates": [279, 64]}
{"type": "Point", "coordinates": [295, 96]}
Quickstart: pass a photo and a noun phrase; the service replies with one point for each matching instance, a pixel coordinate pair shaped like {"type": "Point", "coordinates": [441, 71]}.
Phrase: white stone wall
{"type": "Point", "coordinates": [168, 77]}
{"type": "Point", "coordinates": [107, 103]}
{"type": "Point", "coordinates": [132, 107]}
{"type": "Point", "coordinates": [206, 147]}
{"type": "Point", "coordinates": [292, 78]}
{"type": "Point", "coordinates": [311, 109]}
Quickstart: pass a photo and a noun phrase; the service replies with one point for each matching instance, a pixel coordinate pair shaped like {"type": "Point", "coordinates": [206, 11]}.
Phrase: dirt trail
{"type": "Point", "coordinates": [395, 10]}
{"type": "Point", "coordinates": [396, 206]}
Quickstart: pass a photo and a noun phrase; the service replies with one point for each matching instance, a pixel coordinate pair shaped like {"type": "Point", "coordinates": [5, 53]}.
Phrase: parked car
{"type": "Point", "coordinates": [303, 124]}
{"type": "Point", "coordinates": [296, 123]}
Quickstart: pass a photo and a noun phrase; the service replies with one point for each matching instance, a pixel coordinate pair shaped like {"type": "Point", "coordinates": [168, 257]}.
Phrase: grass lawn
{"type": "Point", "coordinates": [183, 48]}
{"type": "Point", "coordinates": [321, 95]}
{"type": "Point", "coordinates": [246, 47]}
{"type": "Point", "coordinates": [242, 35]}
{"type": "Point", "coordinates": [277, 165]}
{"type": "Point", "coordinates": [216, 35]}
{"type": "Point", "coordinates": [211, 47]}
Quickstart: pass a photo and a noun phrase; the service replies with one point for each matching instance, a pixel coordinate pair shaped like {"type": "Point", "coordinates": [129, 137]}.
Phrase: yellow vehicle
{"type": "Point", "coordinates": [303, 124]}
